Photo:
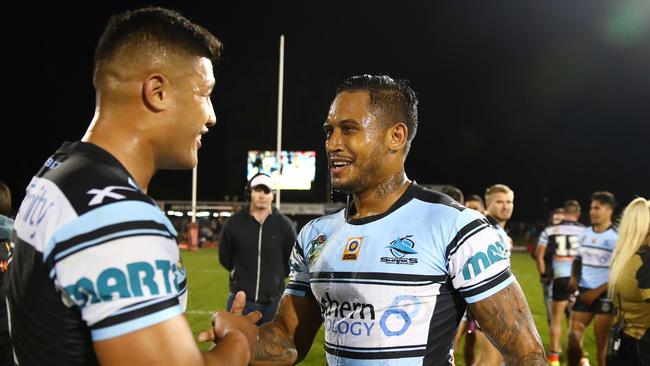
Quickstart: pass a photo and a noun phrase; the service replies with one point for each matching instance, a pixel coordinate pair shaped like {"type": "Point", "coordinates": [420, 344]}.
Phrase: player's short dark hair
{"type": "Point", "coordinates": [454, 193]}
{"type": "Point", "coordinates": [605, 198]}
{"type": "Point", "coordinates": [391, 100]}
{"type": "Point", "coordinates": [156, 28]}
{"type": "Point", "coordinates": [5, 199]}
{"type": "Point", "coordinates": [474, 197]}
{"type": "Point", "coordinates": [571, 207]}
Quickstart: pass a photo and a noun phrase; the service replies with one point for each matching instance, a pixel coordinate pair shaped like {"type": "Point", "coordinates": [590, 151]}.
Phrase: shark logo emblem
{"type": "Point", "coordinates": [400, 248]}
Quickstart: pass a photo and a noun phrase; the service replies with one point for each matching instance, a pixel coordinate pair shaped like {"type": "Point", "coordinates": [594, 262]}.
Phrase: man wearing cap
{"type": "Point", "coordinates": [255, 246]}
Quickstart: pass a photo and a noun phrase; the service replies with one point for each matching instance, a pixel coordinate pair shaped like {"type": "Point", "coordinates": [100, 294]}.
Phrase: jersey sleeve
{"type": "Point", "coordinates": [543, 238]}
{"type": "Point", "coordinates": [123, 272]}
{"type": "Point", "coordinates": [299, 265]}
{"type": "Point", "coordinates": [477, 258]}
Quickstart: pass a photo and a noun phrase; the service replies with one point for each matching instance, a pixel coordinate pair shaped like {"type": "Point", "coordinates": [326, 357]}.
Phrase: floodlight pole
{"type": "Point", "coordinates": [278, 150]}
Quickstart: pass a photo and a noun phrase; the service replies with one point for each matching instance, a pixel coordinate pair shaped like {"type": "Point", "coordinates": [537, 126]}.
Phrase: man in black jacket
{"type": "Point", "coordinates": [255, 246]}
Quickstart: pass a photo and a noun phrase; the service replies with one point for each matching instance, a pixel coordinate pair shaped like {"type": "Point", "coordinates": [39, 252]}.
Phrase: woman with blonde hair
{"type": "Point", "coordinates": [629, 287]}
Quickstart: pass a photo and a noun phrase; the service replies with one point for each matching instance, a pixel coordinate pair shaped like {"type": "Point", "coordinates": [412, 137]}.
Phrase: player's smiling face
{"type": "Point", "coordinates": [353, 141]}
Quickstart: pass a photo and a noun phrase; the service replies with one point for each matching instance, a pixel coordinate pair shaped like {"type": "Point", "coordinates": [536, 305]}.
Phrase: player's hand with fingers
{"type": "Point", "coordinates": [224, 322]}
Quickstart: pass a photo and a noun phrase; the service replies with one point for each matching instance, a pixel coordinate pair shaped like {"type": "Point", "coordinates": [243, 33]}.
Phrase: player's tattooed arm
{"type": "Point", "coordinates": [506, 320]}
{"type": "Point", "coordinates": [287, 339]}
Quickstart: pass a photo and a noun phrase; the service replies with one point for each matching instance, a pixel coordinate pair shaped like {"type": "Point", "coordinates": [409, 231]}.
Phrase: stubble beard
{"type": "Point", "coordinates": [364, 176]}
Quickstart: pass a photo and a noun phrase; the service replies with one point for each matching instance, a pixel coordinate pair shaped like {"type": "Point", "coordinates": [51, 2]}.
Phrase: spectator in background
{"type": "Point", "coordinates": [475, 202]}
{"type": "Point", "coordinates": [590, 272]}
{"type": "Point", "coordinates": [6, 224]}
{"type": "Point", "coordinates": [557, 246]}
{"type": "Point", "coordinates": [255, 246]}
{"type": "Point", "coordinates": [629, 287]}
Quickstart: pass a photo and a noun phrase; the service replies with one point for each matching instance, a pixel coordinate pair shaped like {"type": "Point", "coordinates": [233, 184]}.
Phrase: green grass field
{"type": "Point", "coordinates": [208, 290]}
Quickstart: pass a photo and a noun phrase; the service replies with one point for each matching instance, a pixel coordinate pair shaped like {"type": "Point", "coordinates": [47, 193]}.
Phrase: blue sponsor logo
{"type": "Point", "coordinates": [114, 283]}
{"type": "Point", "coordinates": [481, 261]}
{"type": "Point", "coordinates": [344, 317]}
{"type": "Point", "coordinates": [358, 319]}
{"type": "Point", "coordinates": [401, 320]}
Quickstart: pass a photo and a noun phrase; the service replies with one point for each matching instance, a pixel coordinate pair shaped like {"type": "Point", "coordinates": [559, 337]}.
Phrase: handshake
{"type": "Point", "coordinates": [235, 336]}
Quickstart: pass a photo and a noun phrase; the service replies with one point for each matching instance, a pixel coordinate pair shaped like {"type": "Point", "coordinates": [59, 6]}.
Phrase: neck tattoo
{"type": "Point", "coordinates": [390, 186]}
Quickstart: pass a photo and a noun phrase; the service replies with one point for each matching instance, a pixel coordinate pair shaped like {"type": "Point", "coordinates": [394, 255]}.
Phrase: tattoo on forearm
{"type": "Point", "coordinates": [274, 345]}
{"type": "Point", "coordinates": [393, 183]}
{"type": "Point", "coordinates": [507, 322]}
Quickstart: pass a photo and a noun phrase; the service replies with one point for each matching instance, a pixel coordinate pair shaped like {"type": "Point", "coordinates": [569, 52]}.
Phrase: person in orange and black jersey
{"type": "Point", "coordinates": [255, 246]}
{"type": "Point", "coordinates": [6, 224]}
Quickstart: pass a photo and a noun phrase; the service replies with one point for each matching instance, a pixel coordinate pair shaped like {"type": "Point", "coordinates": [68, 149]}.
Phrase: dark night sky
{"type": "Point", "coordinates": [549, 97]}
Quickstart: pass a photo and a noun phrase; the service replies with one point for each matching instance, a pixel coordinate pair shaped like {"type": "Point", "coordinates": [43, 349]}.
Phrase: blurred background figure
{"type": "Point", "coordinates": [555, 218]}
{"type": "Point", "coordinates": [629, 287]}
{"type": "Point", "coordinates": [557, 215]}
{"type": "Point", "coordinates": [454, 193]}
{"type": "Point", "coordinates": [6, 224]}
{"type": "Point", "coordinates": [475, 202]}
{"type": "Point", "coordinates": [557, 247]}
{"type": "Point", "coordinates": [467, 326]}
{"type": "Point", "coordinates": [255, 246]}
{"type": "Point", "coordinates": [589, 275]}
{"type": "Point", "coordinates": [499, 201]}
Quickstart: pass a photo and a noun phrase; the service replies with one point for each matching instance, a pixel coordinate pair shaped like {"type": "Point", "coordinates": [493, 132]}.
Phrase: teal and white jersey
{"type": "Point", "coordinates": [595, 252]}
{"type": "Point", "coordinates": [95, 258]}
{"type": "Point", "coordinates": [503, 235]}
{"type": "Point", "coordinates": [392, 288]}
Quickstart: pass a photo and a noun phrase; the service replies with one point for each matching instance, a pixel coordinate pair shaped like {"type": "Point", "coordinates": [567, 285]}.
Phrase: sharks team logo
{"type": "Point", "coordinates": [400, 248]}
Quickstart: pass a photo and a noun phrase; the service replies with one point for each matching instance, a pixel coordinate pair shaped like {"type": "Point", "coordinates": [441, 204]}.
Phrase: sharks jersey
{"type": "Point", "coordinates": [392, 288]}
{"type": "Point", "coordinates": [561, 241]}
{"type": "Point", "coordinates": [94, 258]}
{"type": "Point", "coordinates": [595, 252]}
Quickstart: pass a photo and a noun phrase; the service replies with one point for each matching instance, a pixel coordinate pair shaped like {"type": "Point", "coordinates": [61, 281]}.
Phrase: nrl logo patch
{"type": "Point", "coordinates": [315, 248]}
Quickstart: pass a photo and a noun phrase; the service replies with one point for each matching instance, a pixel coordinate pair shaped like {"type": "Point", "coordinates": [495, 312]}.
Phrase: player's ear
{"type": "Point", "coordinates": [154, 91]}
{"type": "Point", "coordinates": [397, 136]}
